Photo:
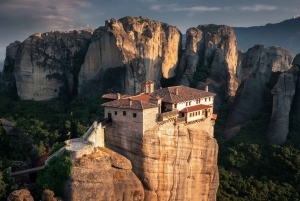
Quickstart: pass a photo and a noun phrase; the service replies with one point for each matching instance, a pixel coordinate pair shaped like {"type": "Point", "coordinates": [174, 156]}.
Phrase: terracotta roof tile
{"type": "Point", "coordinates": [184, 94]}
{"type": "Point", "coordinates": [196, 108]}
{"type": "Point", "coordinates": [214, 117]}
{"type": "Point", "coordinates": [114, 96]}
{"type": "Point", "coordinates": [125, 103]}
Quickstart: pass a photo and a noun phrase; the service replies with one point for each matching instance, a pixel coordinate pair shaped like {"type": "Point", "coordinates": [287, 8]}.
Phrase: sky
{"type": "Point", "coordinates": [22, 18]}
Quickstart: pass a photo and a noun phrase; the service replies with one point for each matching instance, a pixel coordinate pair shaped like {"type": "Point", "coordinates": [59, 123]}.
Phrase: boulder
{"type": "Point", "coordinates": [20, 195]}
{"type": "Point", "coordinates": [103, 175]}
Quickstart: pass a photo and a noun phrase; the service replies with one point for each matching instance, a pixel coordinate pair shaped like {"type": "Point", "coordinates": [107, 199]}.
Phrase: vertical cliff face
{"type": "Point", "coordinates": [257, 67]}
{"type": "Point", "coordinates": [128, 51]}
{"type": "Point", "coordinates": [173, 162]}
{"type": "Point", "coordinates": [212, 47]}
{"type": "Point", "coordinates": [7, 78]}
{"type": "Point", "coordinates": [47, 64]}
{"type": "Point", "coordinates": [285, 93]}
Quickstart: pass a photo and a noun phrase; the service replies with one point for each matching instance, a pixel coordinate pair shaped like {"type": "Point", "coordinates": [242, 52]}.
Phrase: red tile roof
{"type": "Point", "coordinates": [125, 103]}
{"type": "Point", "coordinates": [184, 94]}
{"type": "Point", "coordinates": [196, 108]}
{"type": "Point", "coordinates": [114, 96]}
{"type": "Point", "coordinates": [214, 117]}
{"type": "Point", "coordinates": [141, 97]}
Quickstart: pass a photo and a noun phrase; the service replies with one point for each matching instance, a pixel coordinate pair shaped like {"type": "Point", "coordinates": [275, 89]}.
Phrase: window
{"type": "Point", "coordinates": [134, 115]}
{"type": "Point", "coordinates": [190, 114]}
{"type": "Point", "coordinates": [124, 113]}
{"type": "Point", "coordinates": [116, 113]}
{"type": "Point", "coordinates": [175, 105]}
{"type": "Point", "coordinates": [205, 99]}
{"type": "Point", "coordinates": [209, 99]}
{"type": "Point", "coordinates": [186, 104]}
{"type": "Point", "coordinates": [190, 103]}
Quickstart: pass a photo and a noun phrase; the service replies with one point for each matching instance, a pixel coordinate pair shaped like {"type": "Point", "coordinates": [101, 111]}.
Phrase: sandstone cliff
{"type": "Point", "coordinates": [212, 47]}
{"type": "Point", "coordinates": [173, 162]}
{"type": "Point", "coordinates": [103, 176]}
{"type": "Point", "coordinates": [128, 51]}
{"type": "Point", "coordinates": [285, 97]}
{"type": "Point", "coordinates": [257, 67]}
{"type": "Point", "coordinates": [47, 64]}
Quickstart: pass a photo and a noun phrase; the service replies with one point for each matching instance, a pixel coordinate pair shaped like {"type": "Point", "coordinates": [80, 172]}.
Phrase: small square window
{"type": "Point", "coordinates": [116, 113]}
{"type": "Point", "coordinates": [134, 115]}
{"type": "Point", "coordinates": [124, 113]}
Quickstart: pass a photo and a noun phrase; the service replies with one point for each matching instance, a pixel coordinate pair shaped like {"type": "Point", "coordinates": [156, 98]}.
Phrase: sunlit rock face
{"type": "Point", "coordinates": [48, 64]}
{"type": "Point", "coordinates": [214, 46]}
{"type": "Point", "coordinates": [256, 69]}
{"type": "Point", "coordinates": [173, 162]}
{"type": "Point", "coordinates": [127, 52]}
{"type": "Point", "coordinates": [102, 176]}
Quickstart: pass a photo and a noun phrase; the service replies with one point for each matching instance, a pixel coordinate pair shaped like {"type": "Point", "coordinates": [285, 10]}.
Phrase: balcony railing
{"type": "Point", "coordinates": [167, 115]}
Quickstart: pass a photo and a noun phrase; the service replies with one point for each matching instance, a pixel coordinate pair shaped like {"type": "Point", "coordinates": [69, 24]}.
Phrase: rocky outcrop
{"type": "Point", "coordinates": [173, 162]}
{"type": "Point", "coordinates": [48, 195]}
{"type": "Point", "coordinates": [48, 64]}
{"type": "Point", "coordinates": [127, 52]}
{"type": "Point", "coordinates": [296, 102]}
{"type": "Point", "coordinates": [20, 195]}
{"type": "Point", "coordinates": [283, 94]}
{"type": "Point", "coordinates": [285, 97]}
{"type": "Point", "coordinates": [212, 47]}
{"type": "Point", "coordinates": [257, 68]}
{"type": "Point", "coordinates": [6, 77]}
{"type": "Point", "coordinates": [103, 175]}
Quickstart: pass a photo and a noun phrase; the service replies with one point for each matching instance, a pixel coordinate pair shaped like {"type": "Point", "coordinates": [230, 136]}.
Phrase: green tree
{"type": "Point", "coordinates": [55, 174]}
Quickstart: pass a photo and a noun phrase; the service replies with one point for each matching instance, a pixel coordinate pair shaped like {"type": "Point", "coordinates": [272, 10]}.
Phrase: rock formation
{"type": "Point", "coordinates": [48, 64]}
{"type": "Point", "coordinates": [7, 78]}
{"type": "Point", "coordinates": [296, 102]}
{"type": "Point", "coordinates": [103, 176]}
{"type": "Point", "coordinates": [213, 47]}
{"type": "Point", "coordinates": [128, 51]}
{"type": "Point", "coordinates": [257, 68]}
{"type": "Point", "coordinates": [283, 94]}
{"type": "Point", "coordinates": [48, 195]}
{"type": "Point", "coordinates": [173, 162]}
{"type": "Point", "coordinates": [20, 195]}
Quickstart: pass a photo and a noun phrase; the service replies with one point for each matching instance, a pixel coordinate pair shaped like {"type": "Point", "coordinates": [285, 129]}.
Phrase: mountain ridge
{"type": "Point", "coordinates": [285, 34]}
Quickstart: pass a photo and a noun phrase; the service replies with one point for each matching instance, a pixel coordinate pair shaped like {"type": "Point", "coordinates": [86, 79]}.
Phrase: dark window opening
{"type": "Point", "coordinates": [116, 113]}
{"type": "Point", "coordinates": [124, 113]}
{"type": "Point", "coordinates": [134, 115]}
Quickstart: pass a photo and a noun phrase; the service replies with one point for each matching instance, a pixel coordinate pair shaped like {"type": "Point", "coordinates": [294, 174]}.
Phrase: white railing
{"type": "Point", "coordinates": [57, 153]}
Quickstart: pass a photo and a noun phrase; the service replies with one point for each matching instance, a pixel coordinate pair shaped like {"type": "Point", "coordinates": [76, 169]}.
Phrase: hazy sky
{"type": "Point", "coordinates": [21, 18]}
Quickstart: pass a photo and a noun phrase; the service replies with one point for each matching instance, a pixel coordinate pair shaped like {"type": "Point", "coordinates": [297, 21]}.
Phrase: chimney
{"type": "Point", "coordinates": [176, 91]}
{"type": "Point", "coordinates": [206, 88]}
{"type": "Point", "coordinates": [118, 96]}
{"type": "Point", "coordinates": [130, 101]}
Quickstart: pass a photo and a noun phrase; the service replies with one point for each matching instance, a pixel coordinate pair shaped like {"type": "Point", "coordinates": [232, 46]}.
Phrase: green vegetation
{"type": "Point", "coordinates": [38, 124]}
{"type": "Point", "coordinates": [251, 168]}
{"type": "Point", "coordinates": [55, 174]}
{"type": "Point", "coordinates": [202, 71]}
